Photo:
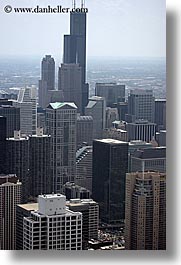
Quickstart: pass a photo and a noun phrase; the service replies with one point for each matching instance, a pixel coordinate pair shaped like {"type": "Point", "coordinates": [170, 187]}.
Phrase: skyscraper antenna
{"type": "Point", "coordinates": [74, 3]}
{"type": "Point", "coordinates": [82, 3]}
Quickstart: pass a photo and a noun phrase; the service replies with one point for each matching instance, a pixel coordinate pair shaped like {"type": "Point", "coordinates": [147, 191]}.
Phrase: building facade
{"type": "Point", "coordinates": [61, 125]}
{"type": "Point", "coordinates": [57, 227]}
{"type": "Point", "coordinates": [110, 165]}
{"type": "Point", "coordinates": [10, 196]}
{"type": "Point", "coordinates": [145, 217]}
{"type": "Point", "coordinates": [141, 104]}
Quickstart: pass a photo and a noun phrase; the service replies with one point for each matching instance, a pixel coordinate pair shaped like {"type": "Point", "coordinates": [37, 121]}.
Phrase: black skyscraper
{"type": "Point", "coordinates": [75, 49]}
{"type": "Point", "coordinates": [2, 144]}
{"type": "Point", "coordinates": [110, 164]}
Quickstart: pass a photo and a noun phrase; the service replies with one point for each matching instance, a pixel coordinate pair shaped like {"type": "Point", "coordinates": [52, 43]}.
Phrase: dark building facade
{"type": "Point", "coordinates": [2, 145]}
{"type": "Point", "coordinates": [160, 114]}
{"type": "Point", "coordinates": [18, 160]}
{"type": "Point", "coordinates": [75, 49]}
{"type": "Point", "coordinates": [40, 164]}
{"type": "Point", "coordinates": [110, 165]}
{"type": "Point", "coordinates": [12, 115]}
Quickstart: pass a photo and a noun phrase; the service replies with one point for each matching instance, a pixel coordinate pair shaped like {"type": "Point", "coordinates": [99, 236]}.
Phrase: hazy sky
{"type": "Point", "coordinates": [115, 28]}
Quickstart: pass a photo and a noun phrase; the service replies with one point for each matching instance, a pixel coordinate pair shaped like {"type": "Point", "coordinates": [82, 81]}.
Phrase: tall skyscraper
{"type": "Point", "coordinates": [40, 164]}
{"type": "Point", "coordinates": [10, 196]}
{"type": "Point", "coordinates": [160, 114]}
{"type": "Point", "coordinates": [3, 132]}
{"type": "Point", "coordinates": [47, 81]}
{"type": "Point", "coordinates": [75, 49]}
{"type": "Point", "coordinates": [112, 92]}
{"type": "Point", "coordinates": [84, 130]}
{"type": "Point", "coordinates": [70, 83]}
{"type": "Point", "coordinates": [90, 218]}
{"type": "Point", "coordinates": [141, 105]}
{"type": "Point", "coordinates": [84, 167]}
{"type": "Point", "coordinates": [61, 125]}
{"type": "Point", "coordinates": [12, 115]}
{"type": "Point", "coordinates": [57, 227]}
{"type": "Point", "coordinates": [27, 102]}
{"type": "Point", "coordinates": [145, 217]}
{"type": "Point", "coordinates": [18, 160]}
{"type": "Point", "coordinates": [97, 109]}
{"type": "Point", "coordinates": [110, 165]}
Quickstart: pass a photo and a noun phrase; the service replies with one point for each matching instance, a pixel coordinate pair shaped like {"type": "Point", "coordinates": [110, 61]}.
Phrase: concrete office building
{"type": "Point", "coordinates": [90, 218]}
{"type": "Point", "coordinates": [27, 102]}
{"type": "Point", "coordinates": [84, 167]}
{"type": "Point", "coordinates": [97, 109]}
{"type": "Point", "coordinates": [141, 130]}
{"type": "Point", "coordinates": [152, 159]}
{"type": "Point", "coordinates": [57, 227]}
{"type": "Point", "coordinates": [47, 81]}
{"type": "Point", "coordinates": [145, 216]}
{"type": "Point", "coordinates": [141, 104]}
{"type": "Point", "coordinates": [112, 92]}
{"type": "Point", "coordinates": [12, 115]}
{"type": "Point", "coordinates": [40, 164]}
{"type": "Point", "coordinates": [70, 83]}
{"type": "Point", "coordinates": [110, 165]}
{"type": "Point", "coordinates": [22, 210]}
{"type": "Point", "coordinates": [18, 160]}
{"type": "Point", "coordinates": [10, 196]}
{"type": "Point", "coordinates": [84, 130]}
{"type": "Point", "coordinates": [61, 125]}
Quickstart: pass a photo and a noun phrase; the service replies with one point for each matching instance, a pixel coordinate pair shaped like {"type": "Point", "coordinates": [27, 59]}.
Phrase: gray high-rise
{"type": "Point", "coordinates": [47, 81]}
{"type": "Point", "coordinates": [112, 92]}
{"type": "Point", "coordinates": [61, 125]}
{"type": "Point", "coordinates": [141, 105]}
{"type": "Point", "coordinates": [97, 109]}
{"type": "Point", "coordinates": [70, 83]}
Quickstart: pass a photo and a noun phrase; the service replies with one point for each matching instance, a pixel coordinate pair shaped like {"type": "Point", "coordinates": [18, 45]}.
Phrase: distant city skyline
{"type": "Point", "coordinates": [123, 29]}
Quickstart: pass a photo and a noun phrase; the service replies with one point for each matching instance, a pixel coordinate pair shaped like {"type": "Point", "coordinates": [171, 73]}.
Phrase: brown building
{"type": "Point", "coordinates": [10, 196]}
{"type": "Point", "coordinates": [145, 214]}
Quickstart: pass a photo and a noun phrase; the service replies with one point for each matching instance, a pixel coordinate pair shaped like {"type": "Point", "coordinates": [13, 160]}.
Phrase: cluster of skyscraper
{"type": "Point", "coordinates": [105, 154]}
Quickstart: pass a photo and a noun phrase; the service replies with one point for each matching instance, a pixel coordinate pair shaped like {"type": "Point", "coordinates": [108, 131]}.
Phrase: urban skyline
{"type": "Point", "coordinates": [87, 156]}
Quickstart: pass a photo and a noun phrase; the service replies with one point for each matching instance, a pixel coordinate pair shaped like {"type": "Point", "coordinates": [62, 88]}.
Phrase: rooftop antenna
{"type": "Point", "coordinates": [82, 3]}
{"type": "Point", "coordinates": [74, 3]}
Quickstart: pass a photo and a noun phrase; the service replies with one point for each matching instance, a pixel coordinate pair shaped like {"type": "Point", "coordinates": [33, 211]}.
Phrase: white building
{"type": "Point", "coordinates": [53, 226]}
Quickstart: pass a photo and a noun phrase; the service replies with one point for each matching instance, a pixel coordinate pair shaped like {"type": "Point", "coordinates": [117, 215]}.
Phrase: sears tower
{"type": "Point", "coordinates": [75, 50]}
